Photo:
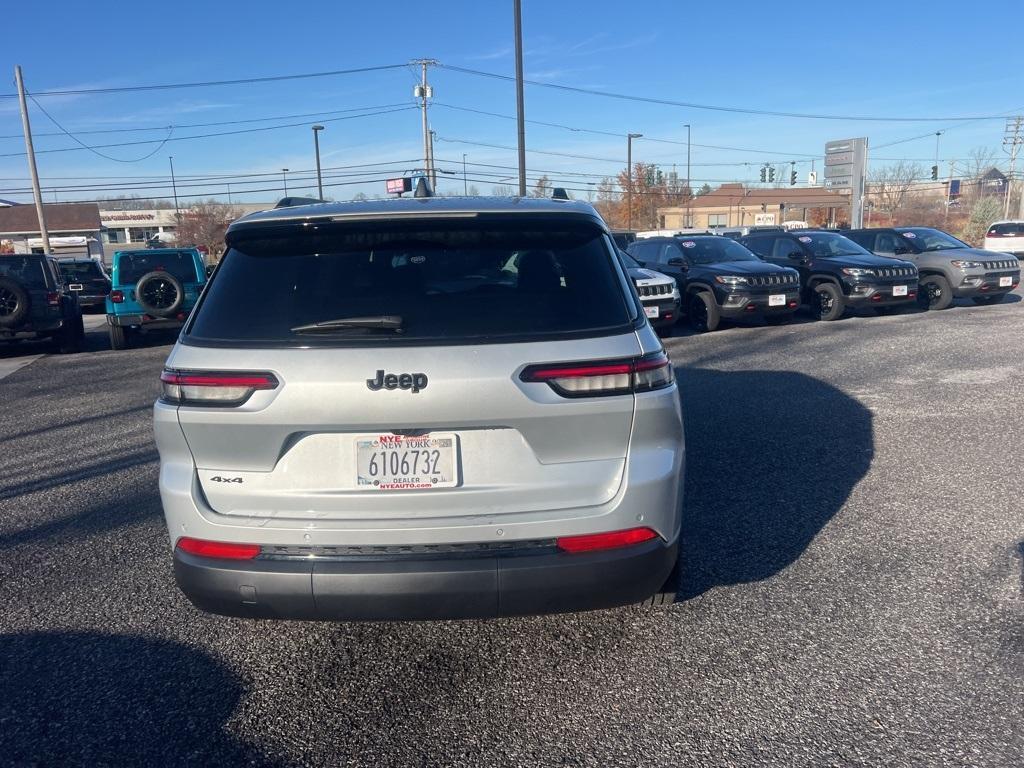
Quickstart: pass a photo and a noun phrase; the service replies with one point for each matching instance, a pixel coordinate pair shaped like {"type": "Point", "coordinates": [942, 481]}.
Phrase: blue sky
{"type": "Point", "coordinates": [870, 58]}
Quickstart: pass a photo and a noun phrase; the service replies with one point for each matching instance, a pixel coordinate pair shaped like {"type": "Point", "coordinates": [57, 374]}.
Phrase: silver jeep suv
{"type": "Point", "coordinates": [416, 409]}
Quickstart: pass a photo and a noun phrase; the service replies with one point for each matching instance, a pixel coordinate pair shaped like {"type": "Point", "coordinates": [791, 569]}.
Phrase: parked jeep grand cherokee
{"type": "Point", "coordinates": [35, 303]}
{"type": "Point", "coordinates": [836, 273]}
{"type": "Point", "coordinates": [719, 278]}
{"type": "Point", "coordinates": [658, 293]}
{"type": "Point", "coordinates": [420, 408]}
{"type": "Point", "coordinates": [949, 268]}
{"type": "Point", "coordinates": [153, 289]}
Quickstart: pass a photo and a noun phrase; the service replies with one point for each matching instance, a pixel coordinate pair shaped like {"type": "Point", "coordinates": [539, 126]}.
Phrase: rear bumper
{"type": "Point", "coordinates": [361, 589]}
{"type": "Point", "coordinates": [34, 330]}
{"type": "Point", "coordinates": [144, 321]}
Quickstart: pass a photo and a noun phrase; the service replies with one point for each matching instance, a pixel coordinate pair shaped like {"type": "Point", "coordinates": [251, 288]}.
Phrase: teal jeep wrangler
{"type": "Point", "coordinates": [152, 289]}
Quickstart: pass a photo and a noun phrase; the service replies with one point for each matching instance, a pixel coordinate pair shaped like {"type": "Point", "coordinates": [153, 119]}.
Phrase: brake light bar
{"type": "Point", "coordinates": [209, 388]}
{"type": "Point", "coordinates": [603, 377]}
{"type": "Point", "coordinates": [593, 542]}
{"type": "Point", "coordinates": [224, 550]}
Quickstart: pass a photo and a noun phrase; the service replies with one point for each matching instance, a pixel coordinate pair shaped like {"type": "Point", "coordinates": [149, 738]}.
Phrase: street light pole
{"type": "Point", "coordinates": [316, 145]}
{"type": "Point", "coordinates": [520, 108]}
{"type": "Point", "coordinates": [689, 189]}
{"type": "Point", "coordinates": [629, 177]}
{"type": "Point", "coordinates": [284, 177]}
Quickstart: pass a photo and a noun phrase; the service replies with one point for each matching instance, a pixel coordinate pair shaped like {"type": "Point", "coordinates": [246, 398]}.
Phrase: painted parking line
{"type": "Point", "coordinates": [12, 364]}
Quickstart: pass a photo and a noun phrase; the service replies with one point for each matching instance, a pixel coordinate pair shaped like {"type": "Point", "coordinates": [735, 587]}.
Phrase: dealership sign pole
{"type": "Point", "coordinates": [846, 164]}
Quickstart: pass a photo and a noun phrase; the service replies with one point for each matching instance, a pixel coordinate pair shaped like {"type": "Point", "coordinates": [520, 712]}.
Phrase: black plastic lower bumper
{"type": "Point", "coordinates": [403, 588]}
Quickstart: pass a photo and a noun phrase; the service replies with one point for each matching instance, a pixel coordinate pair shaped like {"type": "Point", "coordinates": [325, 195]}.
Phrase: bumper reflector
{"type": "Point", "coordinates": [223, 550]}
{"type": "Point", "coordinates": [593, 542]}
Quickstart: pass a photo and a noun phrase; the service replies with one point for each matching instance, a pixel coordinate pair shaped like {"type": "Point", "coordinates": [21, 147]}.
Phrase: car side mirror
{"type": "Point", "coordinates": [677, 261]}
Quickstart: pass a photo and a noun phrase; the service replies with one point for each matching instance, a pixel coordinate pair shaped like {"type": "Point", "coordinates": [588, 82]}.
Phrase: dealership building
{"type": "Point", "coordinates": [127, 227]}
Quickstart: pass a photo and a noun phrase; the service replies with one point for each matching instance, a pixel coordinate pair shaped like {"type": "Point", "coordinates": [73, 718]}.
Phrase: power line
{"type": "Point", "coordinates": [209, 83]}
{"type": "Point", "coordinates": [207, 125]}
{"type": "Point", "coordinates": [206, 135]}
{"type": "Point", "coordinates": [717, 108]}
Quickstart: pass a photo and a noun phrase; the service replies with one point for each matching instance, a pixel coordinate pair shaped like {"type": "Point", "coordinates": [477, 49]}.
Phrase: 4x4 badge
{"type": "Point", "coordinates": [411, 381]}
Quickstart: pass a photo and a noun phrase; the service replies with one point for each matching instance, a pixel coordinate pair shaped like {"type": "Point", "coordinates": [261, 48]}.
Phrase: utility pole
{"type": "Point", "coordinates": [1012, 138]}
{"type": "Point", "coordinates": [316, 145]}
{"type": "Point", "coordinates": [30, 151]}
{"type": "Point", "coordinates": [423, 92]}
{"type": "Point", "coordinates": [629, 177]}
{"type": "Point", "coordinates": [517, 7]}
{"type": "Point", "coordinates": [465, 183]}
{"type": "Point", "coordinates": [174, 189]}
{"type": "Point", "coordinates": [433, 170]}
{"type": "Point", "coordinates": [284, 177]}
{"type": "Point", "coordinates": [689, 189]}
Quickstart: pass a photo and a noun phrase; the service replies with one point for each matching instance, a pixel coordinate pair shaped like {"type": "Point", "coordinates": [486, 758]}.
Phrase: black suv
{"type": "Point", "coordinates": [86, 278]}
{"type": "Point", "coordinates": [836, 273]}
{"type": "Point", "coordinates": [35, 303]}
{"type": "Point", "coordinates": [719, 278]}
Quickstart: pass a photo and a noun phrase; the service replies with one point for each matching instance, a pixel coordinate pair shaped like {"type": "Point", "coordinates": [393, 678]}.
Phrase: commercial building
{"type": "Point", "coordinates": [733, 205]}
{"type": "Point", "coordinates": [74, 229]}
{"type": "Point", "coordinates": [121, 228]}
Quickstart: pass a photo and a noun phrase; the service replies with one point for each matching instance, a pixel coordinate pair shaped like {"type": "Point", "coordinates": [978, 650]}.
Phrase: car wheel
{"type": "Point", "coordinates": [703, 312]}
{"type": "Point", "coordinates": [118, 337]}
{"type": "Point", "coordinates": [986, 300]}
{"type": "Point", "coordinates": [668, 593]}
{"type": "Point", "coordinates": [933, 292]}
{"type": "Point", "coordinates": [13, 302]}
{"type": "Point", "coordinates": [830, 304]}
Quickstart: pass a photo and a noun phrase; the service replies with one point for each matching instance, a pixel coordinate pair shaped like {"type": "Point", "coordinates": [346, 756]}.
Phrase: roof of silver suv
{"type": "Point", "coordinates": [419, 206]}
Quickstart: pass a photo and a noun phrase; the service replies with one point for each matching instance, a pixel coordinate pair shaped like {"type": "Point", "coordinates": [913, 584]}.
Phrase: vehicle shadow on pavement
{"type": "Point", "coordinates": [771, 458]}
{"type": "Point", "coordinates": [93, 699]}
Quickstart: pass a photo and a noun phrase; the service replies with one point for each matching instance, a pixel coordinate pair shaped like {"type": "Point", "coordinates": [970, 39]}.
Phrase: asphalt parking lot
{"type": "Point", "coordinates": [852, 588]}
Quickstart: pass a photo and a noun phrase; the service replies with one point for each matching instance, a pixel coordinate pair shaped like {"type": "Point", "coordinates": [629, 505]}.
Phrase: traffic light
{"type": "Point", "coordinates": [764, 174]}
{"type": "Point", "coordinates": [792, 178]}
{"type": "Point", "coordinates": [935, 173]}
{"type": "Point", "coordinates": [771, 173]}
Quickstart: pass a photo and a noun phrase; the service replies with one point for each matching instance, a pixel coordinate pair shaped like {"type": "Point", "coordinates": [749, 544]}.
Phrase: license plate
{"type": "Point", "coordinates": [899, 290]}
{"type": "Point", "coordinates": [75, 286]}
{"type": "Point", "coordinates": [651, 311]}
{"type": "Point", "coordinates": [404, 463]}
{"type": "Point", "coordinates": [1005, 282]}
{"type": "Point", "coordinates": [777, 300]}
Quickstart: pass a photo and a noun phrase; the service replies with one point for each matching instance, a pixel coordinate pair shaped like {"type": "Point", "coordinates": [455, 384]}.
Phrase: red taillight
{"type": "Point", "coordinates": [117, 297]}
{"type": "Point", "coordinates": [53, 299]}
{"type": "Point", "coordinates": [592, 542]}
{"type": "Point", "coordinates": [209, 388]}
{"type": "Point", "coordinates": [220, 549]}
{"type": "Point", "coordinates": [603, 377]}
{"type": "Point", "coordinates": [792, 305]}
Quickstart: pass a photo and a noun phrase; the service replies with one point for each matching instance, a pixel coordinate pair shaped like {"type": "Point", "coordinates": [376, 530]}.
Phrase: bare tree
{"type": "Point", "coordinates": [542, 188]}
{"type": "Point", "coordinates": [204, 224]}
{"type": "Point", "coordinates": [889, 185]}
{"type": "Point", "coordinates": [979, 161]}
{"type": "Point", "coordinates": [504, 190]}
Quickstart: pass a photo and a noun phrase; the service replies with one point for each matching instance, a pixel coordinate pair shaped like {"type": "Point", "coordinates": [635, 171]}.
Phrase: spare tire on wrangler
{"type": "Point", "coordinates": [160, 293]}
{"type": "Point", "coordinates": [13, 302]}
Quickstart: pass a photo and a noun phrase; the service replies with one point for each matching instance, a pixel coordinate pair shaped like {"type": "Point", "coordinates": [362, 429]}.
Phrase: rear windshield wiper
{"type": "Point", "coordinates": [383, 322]}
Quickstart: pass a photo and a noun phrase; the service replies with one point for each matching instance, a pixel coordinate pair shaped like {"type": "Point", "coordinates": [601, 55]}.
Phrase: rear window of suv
{"type": "Point", "coordinates": [1007, 229]}
{"type": "Point", "coordinates": [80, 270]}
{"type": "Point", "coordinates": [132, 266]}
{"type": "Point", "coordinates": [435, 281]}
{"type": "Point", "coordinates": [27, 270]}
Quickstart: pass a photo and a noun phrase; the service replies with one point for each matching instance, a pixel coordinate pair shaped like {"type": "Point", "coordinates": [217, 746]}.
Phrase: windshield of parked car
{"type": "Point", "coordinates": [132, 266]}
{"type": "Point", "coordinates": [449, 281]}
{"type": "Point", "coordinates": [80, 270]}
{"type": "Point", "coordinates": [830, 244]}
{"type": "Point", "coordinates": [714, 250]}
{"type": "Point", "coordinates": [928, 239]}
{"type": "Point", "coordinates": [629, 262]}
{"type": "Point", "coordinates": [27, 270]}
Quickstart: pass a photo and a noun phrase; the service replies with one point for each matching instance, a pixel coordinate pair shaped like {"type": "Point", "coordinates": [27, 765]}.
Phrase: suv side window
{"type": "Point", "coordinates": [782, 247]}
{"type": "Point", "coordinates": [762, 246]}
{"type": "Point", "coordinates": [885, 244]}
{"type": "Point", "coordinates": [669, 251]}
